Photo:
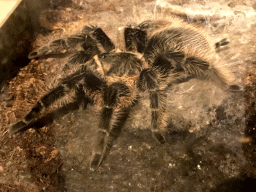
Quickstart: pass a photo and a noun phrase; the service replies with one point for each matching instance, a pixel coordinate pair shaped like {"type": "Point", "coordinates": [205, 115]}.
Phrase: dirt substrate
{"type": "Point", "coordinates": [211, 134]}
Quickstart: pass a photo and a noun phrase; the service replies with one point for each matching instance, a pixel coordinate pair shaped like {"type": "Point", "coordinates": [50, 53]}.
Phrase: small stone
{"type": "Point", "coordinates": [53, 155]}
{"type": "Point", "coordinates": [49, 60]}
{"type": "Point", "coordinates": [111, 7]}
{"type": "Point", "coordinates": [232, 4]}
{"type": "Point", "coordinates": [18, 148]}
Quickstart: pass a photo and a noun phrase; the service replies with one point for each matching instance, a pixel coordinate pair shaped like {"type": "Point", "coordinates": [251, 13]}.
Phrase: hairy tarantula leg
{"type": "Point", "coordinates": [79, 57]}
{"type": "Point", "coordinates": [148, 82]}
{"type": "Point", "coordinates": [54, 47]}
{"type": "Point", "coordinates": [167, 62]}
{"type": "Point", "coordinates": [100, 36]}
{"type": "Point", "coordinates": [60, 46]}
{"type": "Point", "coordinates": [81, 99]}
{"type": "Point", "coordinates": [88, 39]}
{"type": "Point", "coordinates": [110, 97]}
{"type": "Point", "coordinates": [44, 102]}
{"type": "Point", "coordinates": [91, 82]}
{"type": "Point", "coordinates": [91, 48]}
{"type": "Point", "coordinates": [129, 37]}
{"type": "Point", "coordinates": [135, 39]}
{"type": "Point", "coordinates": [203, 70]}
{"type": "Point", "coordinates": [103, 39]}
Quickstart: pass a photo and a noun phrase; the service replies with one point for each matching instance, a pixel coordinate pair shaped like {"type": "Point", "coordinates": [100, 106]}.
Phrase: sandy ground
{"type": "Point", "coordinates": [211, 134]}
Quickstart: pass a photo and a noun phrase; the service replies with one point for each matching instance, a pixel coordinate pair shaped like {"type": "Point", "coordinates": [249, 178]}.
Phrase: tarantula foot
{"type": "Point", "coordinates": [132, 26]}
{"type": "Point", "coordinates": [235, 88]}
{"type": "Point", "coordinates": [159, 137]}
{"type": "Point", "coordinates": [222, 42]}
{"type": "Point", "coordinates": [33, 55]}
{"type": "Point", "coordinates": [41, 52]}
{"type": "Point", "coordinates": [88, 28]}
{"type": "Point", "coordinates": [17, 127]}
{"type": "Point", "coordinates": [96, 161]}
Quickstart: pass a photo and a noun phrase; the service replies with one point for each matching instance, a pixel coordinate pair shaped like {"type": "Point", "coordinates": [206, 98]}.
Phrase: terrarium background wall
{"type": "Point", "coordinates": [15, 38]}
{"type": "Point", "coordinates": [19, 20]}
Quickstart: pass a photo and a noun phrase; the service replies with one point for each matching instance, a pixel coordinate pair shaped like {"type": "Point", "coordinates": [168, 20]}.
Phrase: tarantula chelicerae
{"type": "Point", "coordinates": [159, 54]}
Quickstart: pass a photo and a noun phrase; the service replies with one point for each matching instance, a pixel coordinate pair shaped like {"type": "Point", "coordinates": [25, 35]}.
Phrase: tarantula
{"type": "Point", "coordinates": [159, 54]}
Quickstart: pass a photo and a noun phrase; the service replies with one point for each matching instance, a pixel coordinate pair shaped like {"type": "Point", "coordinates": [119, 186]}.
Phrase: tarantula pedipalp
{"type": "Point", "coordinates": [159, 54]}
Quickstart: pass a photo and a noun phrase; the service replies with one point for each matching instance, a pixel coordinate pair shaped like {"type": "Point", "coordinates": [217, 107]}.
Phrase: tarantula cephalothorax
{"type": "Point", "coordinates": [159, 53]}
